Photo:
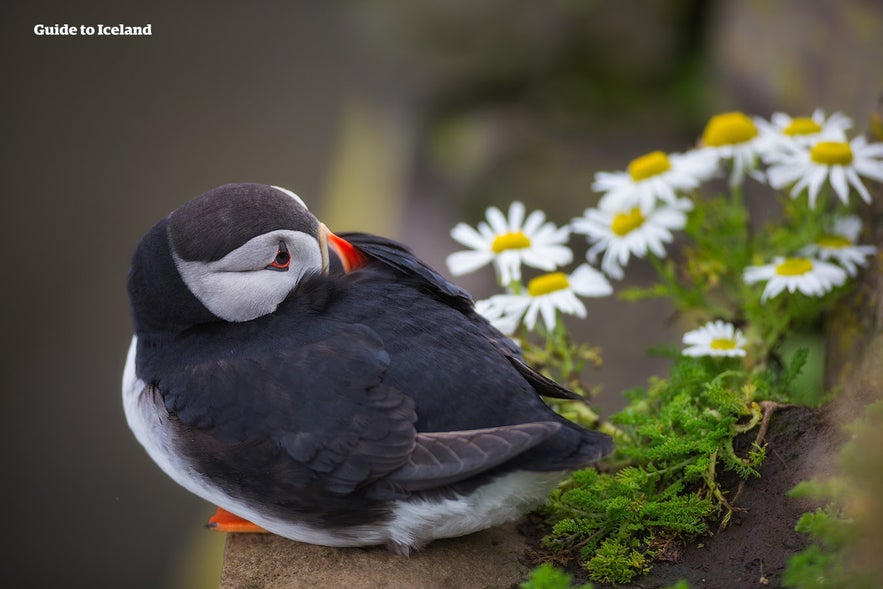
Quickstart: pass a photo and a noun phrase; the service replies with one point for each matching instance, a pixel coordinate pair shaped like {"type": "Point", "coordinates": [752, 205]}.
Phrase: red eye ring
{"type": "Point", "coordinates": [282, 260]}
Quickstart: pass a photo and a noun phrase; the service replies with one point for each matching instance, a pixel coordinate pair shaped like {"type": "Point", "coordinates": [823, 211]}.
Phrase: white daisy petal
{"type": "Point", "coordinates": [800, 185]}
{"type": "Point", "coordinates": [837, 177]}
{"type": "Point", "coordinates": [509, 243]}
{"type": "Point", "coordinates": [609, 181]}
{"type": "Point", "coordinates": [621, 233]}
{"type": "Point", "coordinates": [715, 339]}
{"type": "Point", "coordinates": [516, 216]}
{"type": "Point", "coordinates": [464, 262]}
{"type": "Point", "coordinates": [828, 157]}
{"type": "Point", "coordinates": [549, 313]}
{"type": "Point", "coordinates": [856, 183]}
{"type": "Point", "coordinates": [530, 317]}
{"type": "Point", "coordinates": [784, 131]}
{"type": "Point", "coordinates": [654, 177]}
{"type": "Point", "coordinates": [869, 168]}
{"type": "Point", "coordinates": [754, 274]}
{"type": "Point", "coordinates": [534, 222]}
{"type": "Point", "coordinates": [773, 289]}
{"type": "Point", "coordinates": [812, 277]}
{"type": "Point", "coordinates": [467, 236]}
{"type": "Point", "coordinates": [783, 174]}
{"type": "Point", "coordinates": [498, 222]}
{"type": "Point", "coordinates": [838, 244]}
{"type": "Point", "coordinates": [588, 282]}
{"type": "Point", "coordinates": [503, 311]}
{"type": "Point", "coordinates": [861, 145]}
{"type": "Point", "coordinates": [850, 227]}
{"type": "Point", "coordinates": [545, 297]}
{"type": "Point", "coordinates": [486, 232]}
{"type": "Point", "coordinates": [815, 177]}
{"type": "Point", "coordinates": [508, 264]}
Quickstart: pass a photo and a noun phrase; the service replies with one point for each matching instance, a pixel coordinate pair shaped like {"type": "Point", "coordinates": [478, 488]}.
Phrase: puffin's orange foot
{"type": "Point", "coordinates": [224, 521]}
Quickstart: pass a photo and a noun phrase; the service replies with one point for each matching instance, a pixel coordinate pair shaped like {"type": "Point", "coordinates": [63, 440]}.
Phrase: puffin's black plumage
{"type": "Point", "coordinates": [360, 392]}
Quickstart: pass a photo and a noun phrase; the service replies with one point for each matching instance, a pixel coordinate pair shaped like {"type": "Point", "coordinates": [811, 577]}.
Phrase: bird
{"type": "Point", "coordinates": [331, 389]}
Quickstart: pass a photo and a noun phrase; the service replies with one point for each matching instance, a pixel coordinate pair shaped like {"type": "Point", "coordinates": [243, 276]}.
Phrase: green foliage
{"type": "Point", "coordinates": [811, 569]}
{"type": "Point", "coordinates": [547, 576]}
{"type": "Point", "coordinates": [826, 562]}
{"type": "Point", "coordinates": [564, 361]}
{"type": "Point", "coordinates": [677, 435]}
{"type": "Point", "coordinates": [707, 279]}
{"type": "Point", "coordinates": [823, 564]}
{"type": "Point", "coordinates": [663, 485]}
{"type": "Point", "coordinates": [616, 562]}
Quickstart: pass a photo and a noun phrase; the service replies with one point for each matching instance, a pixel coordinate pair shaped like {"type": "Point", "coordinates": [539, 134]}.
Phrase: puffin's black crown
{"type": "Point", "coordinates": [160, 300]}
{"type": "Point", "coordinates": [204, 229]}
{"type": "Point", "coordinates": [218, 221]}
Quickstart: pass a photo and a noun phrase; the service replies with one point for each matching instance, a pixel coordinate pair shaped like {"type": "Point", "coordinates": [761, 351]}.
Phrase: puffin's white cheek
{"type": "Point", "coordinates": [239, 286]}
{"type": "Point", "coordinates": [243, 296]}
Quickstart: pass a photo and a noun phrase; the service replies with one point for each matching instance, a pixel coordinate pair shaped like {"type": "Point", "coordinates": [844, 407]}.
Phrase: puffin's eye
{"type": "Point", "coordinates": [282, 260]}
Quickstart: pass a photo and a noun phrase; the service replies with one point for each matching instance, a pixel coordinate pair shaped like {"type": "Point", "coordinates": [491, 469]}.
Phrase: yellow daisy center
{"type": "Point", "coordinates": [514, 240]}
{"type": "Point", "coordinates": [722, 343]}
{"type": "Point", "coordinates": [649, 165]}
{"type": "Point", "coordinates": [802, 126]}
{"type": "Point", "coordinates": [624, 223]}
{"type": "Point", "coordinates": [727, 129]}
{"type": "Point", "coordinates": [794, 267]}
{"type": "Point", "coordinates": [833, 241]}
{"type": "Point", "coordinates": [831, 153]}
{"type": "Point", "coordinates": [546, 283]}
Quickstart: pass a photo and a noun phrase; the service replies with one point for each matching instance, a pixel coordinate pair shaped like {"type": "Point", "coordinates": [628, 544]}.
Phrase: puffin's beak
{"type": "Point", "coordinates": [349, 255]}
{"type": "Point", "coordinates": [323, 246]}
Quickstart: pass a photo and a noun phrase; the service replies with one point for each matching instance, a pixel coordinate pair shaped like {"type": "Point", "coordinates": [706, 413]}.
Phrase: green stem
{"type": "Point", "coordinates": [737, 197]}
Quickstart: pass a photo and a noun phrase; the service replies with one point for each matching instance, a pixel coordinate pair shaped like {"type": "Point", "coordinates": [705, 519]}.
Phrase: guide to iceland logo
{"type": "Point", "coordinates": [96, 30]}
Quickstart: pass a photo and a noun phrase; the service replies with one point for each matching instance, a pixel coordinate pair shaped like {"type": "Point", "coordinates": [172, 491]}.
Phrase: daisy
{"type": "Point", "coordinates": [813, 278]}
{"type": "Point", "coordinates": [734, 136]}
{"type": "Point", "coordinates": [838, 244]}
{"type": "Point", "coordinates": [619, 233]}
{"type": "Point", "coordinates": [842, 163]}
{"type": "Point", "coordinates": [545, 295]}
{"type": "Point", "coordinates": [509, 242]}
{"type": "Point", "coordinates": [655, 175]}
{"type": "Point", "coordinates": [715, 338]}
{"type": "Point", "coordinates": [783, 130]}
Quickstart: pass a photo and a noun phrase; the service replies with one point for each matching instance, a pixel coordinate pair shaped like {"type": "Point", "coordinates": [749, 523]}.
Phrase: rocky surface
{"type": "Point", "coordinates": [492, 559]}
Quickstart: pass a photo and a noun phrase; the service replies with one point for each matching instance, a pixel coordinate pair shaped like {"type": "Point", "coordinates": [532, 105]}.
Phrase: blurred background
{"type": "Point", "coordinates": [395, 117]}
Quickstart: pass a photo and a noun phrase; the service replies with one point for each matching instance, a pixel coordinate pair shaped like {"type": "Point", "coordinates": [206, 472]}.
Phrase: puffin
{"type": "Point", "coordinates": [331, 389]}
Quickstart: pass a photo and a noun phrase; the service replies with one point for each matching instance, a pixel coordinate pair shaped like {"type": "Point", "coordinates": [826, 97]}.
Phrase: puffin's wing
{"type": "Point", "coordinates": [322, 414]}
{"type": "Point", "coordinates": [399, 257]}
{"type": "Point", "coordinates": [541, 383]}
{"type": "Point", "coordinates": [315, 410]}
{"type": "Point", "coordinates": [444, 458]}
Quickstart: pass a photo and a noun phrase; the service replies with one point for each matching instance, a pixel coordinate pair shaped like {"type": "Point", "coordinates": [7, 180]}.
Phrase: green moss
{"type": "Point", "coordinates": [548, 577]}
{"type": "Point", "coordinates": [663, 484]}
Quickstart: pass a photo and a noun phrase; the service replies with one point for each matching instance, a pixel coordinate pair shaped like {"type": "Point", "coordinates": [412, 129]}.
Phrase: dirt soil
{"type": "Point", "coordinates": [753, 550]}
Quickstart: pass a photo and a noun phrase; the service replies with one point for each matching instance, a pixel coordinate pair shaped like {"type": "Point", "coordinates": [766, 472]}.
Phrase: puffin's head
{"type": "Point", "coordinates": [233, 253]}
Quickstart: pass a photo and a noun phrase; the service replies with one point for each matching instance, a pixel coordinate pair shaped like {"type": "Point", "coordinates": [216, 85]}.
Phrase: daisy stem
{"type": "Point", "coordinates": [745, 235]}
{"type": "Point", "coordinates": [514, 287]}
{"type": "Point", "coordinates": [737, 196]}
{"type": "Point", "coordinates": [684, 299]}
{"type": "Point", "coordinates": [821, 213]}
{"type": "Point", "coordinates": [558, 346]}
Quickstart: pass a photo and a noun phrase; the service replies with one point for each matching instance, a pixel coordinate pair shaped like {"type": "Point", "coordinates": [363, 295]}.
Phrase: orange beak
{"type": "Point", "coordinates": [350, 257]}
